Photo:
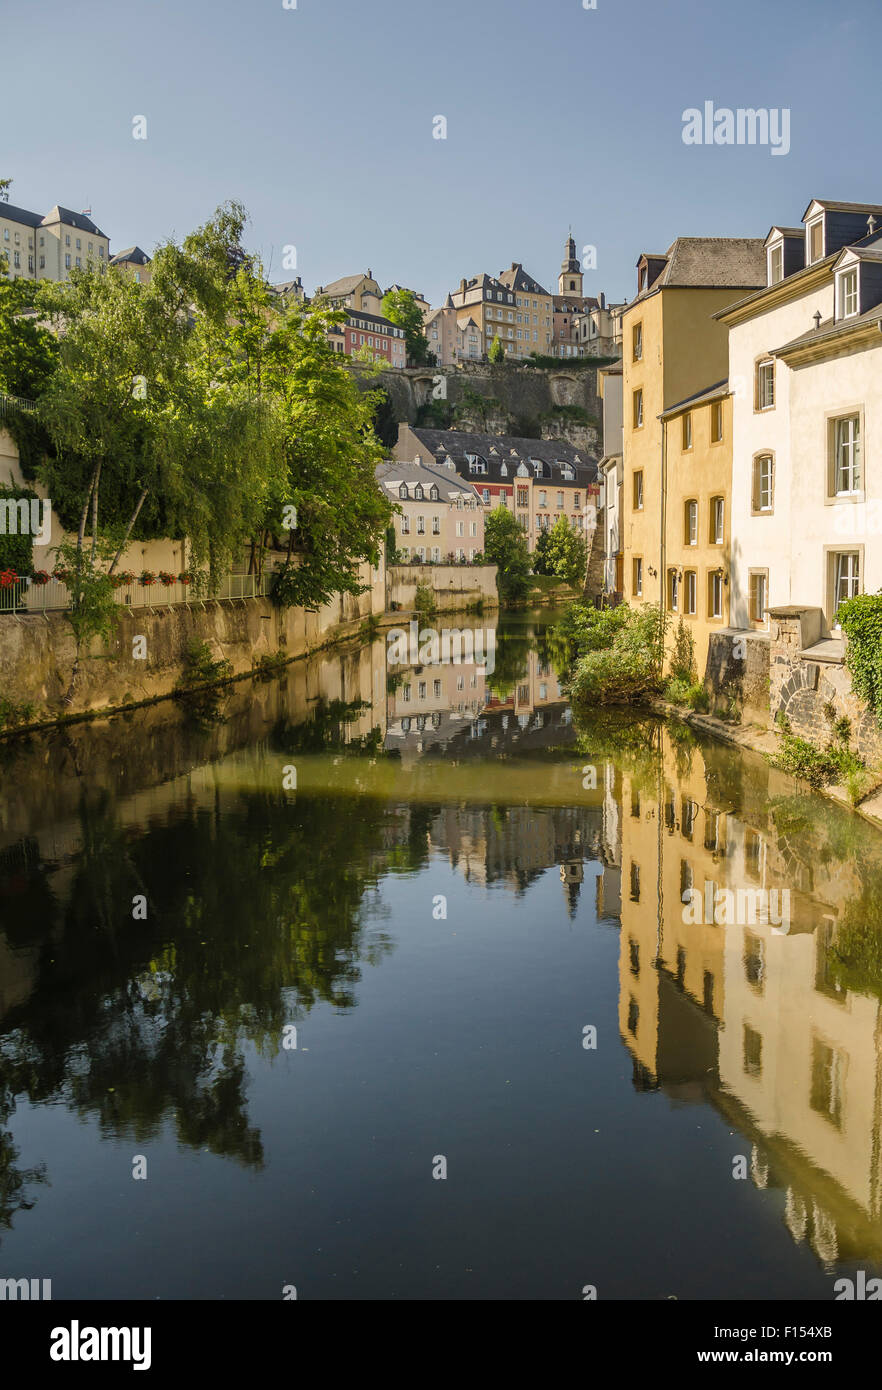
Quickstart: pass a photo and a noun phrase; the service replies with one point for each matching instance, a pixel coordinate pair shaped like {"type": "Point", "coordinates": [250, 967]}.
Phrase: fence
{"type": "Point", "coordinates": [25, 597]}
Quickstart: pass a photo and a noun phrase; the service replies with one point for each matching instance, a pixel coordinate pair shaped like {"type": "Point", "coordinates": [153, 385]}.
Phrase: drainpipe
{"type": "Point", "coordinates": [663, 512]}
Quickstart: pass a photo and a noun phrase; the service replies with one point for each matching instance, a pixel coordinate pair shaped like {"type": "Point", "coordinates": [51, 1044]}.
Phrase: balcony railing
{"type": "Point", "coordinates": [23, 596]}
{"type": "Point", "coordinates": [10, 404]}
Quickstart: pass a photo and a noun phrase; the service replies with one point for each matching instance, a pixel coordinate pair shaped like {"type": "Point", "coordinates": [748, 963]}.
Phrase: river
{"type": "Point", "coordinates": [411, 983]}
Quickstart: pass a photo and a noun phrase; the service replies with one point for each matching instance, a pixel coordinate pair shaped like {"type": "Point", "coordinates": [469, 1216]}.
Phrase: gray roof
{"type": "Point", "coordinates": [394, 472]}
{"type": "Point", "coordinates": [344, 286]}
{"type": "Point", "coordinates": [830, 205]}
{"type": "Point", "coordinates": [28, 219]}
{"type": "Point", "coordinates": [516, 278]}
{"type": "Point", "coordinates": [715, 263]}
{"type": "Point", "coordinates": [133, 254]}
{"type": "Point", "coordinates": [710, 393]}
{"type": "Point", "coordinates": [78, 220]}
{"type": "Point", "coordinates": [510, 450]}
{"type": "Point", "coordinates": [831, 328]}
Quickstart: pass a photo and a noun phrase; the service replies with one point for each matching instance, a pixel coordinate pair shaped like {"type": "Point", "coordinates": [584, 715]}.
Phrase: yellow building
{"type": "Point", "coordinates": [534, 312]}
{"type": "Point", "coordinates": [697, 451]}
{"type": "Point", "coordinates": [360, 292]}
{"type": "Point", "coordinates": [135, 263]}
{"type": "Point", "coordinates": [672, 348]}
{"type": "Point", "coordinates": [490, 305]}
{"type": "Point", "coordinates": [48, 248]}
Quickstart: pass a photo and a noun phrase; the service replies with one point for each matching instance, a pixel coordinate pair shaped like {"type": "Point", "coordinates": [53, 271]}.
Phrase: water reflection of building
{"type": "Point", "coordinates": [750, 1016]}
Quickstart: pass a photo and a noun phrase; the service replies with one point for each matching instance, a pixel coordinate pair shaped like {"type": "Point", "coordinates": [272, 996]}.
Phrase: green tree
{"type": "Point", "coordinates": [505, 546]}
{"type": "Point", "coordinates": [566, 553]}
{"type": "Point", "coordinates": [331, 454]}
{"type": "Point", "coordinates": [497, 350]}
{"type": "Point", "coordinates": [540, 553]}
{"type": "Point", "coordinates": [400, 307]}
{"type": "Point", "coordinates": [27, 349]}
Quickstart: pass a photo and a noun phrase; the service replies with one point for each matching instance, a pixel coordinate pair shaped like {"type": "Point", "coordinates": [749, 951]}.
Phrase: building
{"type": "Point", "coordinates": [610, 471]}
{"type": "Point", "coordinates": [568, 305]}
{"type": "Point", "coordinates": [489, 304]}
{"type": "Point", "coordinates": [538, 480]}
{"type": "Point", "coordinates": [419, 299]}
{"type": "Point", "coordinates": [439, 514]}
{"type": "Point", "coordinates": [674, 349]}
{"type": "Point", "coordinates": [598, 329]}
{"type": "Point", "coordinates": [804, 360]}
{"type": "Point", "coordinates": [48, 248]}
{"type": "Point", "coordinates": [452, 339]}
{"type": "Point", "coordinates": [134, 262]}
{"type": "Point", "coordinates": [697, 481]}
{"type": "Point", "coordinates": [289, 291]}
{"type": "Point", "coordinates": [534, 311]}
{"type": "Point", "coordinates": [370, 334]}
{"type": "Point", "coordinates": [357, 292]}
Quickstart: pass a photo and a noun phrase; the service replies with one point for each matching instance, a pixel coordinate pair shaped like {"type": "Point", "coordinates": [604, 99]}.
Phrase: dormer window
{"type": "Point", "coordinates": [847, 293]}
{"type": "Point", "coordinates": [434, 494]}
{"type": "Point", "coordinates": [503, 470]}
{"type": "Point", "coordinates": [643, 278]}
{"type": "Point", "coordinates": [776, 263]}
{"type": "Point", "coordinates": [537, 467]}
{"type": "Point", "coordinates": [814, 234]}
{"type": "Point", "coordinates": [402, 492]}
{"type": "Point", "coordinates": [418, 493]}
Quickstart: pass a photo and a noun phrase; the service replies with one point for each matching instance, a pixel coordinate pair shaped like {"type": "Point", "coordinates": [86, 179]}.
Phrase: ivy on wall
{"type": "Point", "coordinates": [861, 621]}
{"type": "Point", "coordinates": [16, 548]}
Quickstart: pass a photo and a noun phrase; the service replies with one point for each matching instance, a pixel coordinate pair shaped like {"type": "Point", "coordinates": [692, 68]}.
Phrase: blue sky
{"type": "Point", "coordinates": [320, 120]}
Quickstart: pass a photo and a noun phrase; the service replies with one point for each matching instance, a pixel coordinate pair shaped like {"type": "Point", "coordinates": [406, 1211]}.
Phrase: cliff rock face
{"type": "Point", "coordinates": [558, 403]}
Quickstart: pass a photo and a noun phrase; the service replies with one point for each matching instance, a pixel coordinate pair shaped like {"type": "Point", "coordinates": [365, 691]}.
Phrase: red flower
{"type": "Point", "coordinates": [40, 577]}
{"type": "Point", "coordinates": [8, 578]}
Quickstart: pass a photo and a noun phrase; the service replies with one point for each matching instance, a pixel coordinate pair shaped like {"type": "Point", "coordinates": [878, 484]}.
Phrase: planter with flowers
{"type": "Point", "coordinates": [40, 577]}
{"type": "Point", "coordinates": [8, 578]}
{"type": "Point", "coordinates": [146, 578]}
{"type": "Point", "coordinates": [184, 577]}
{"type": "Point", "coordinates": [167, 579]}
{"type": "Point", "coordinates": [123, 579]}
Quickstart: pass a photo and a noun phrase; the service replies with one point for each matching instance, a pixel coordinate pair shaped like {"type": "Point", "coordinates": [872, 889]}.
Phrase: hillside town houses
{"type": "Point", "coordinates": [739, 392]}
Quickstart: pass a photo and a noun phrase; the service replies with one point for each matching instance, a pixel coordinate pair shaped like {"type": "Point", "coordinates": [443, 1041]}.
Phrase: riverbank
{"type": "Point", "coordinates": [755, 739]}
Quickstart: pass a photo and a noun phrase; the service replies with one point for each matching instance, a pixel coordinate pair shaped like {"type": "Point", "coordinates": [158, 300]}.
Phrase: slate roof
{"type": "Point", "coordinates": [710, 393]}
{"type": "Point", "coordinates": [77, 220]}
{"type": "Point", "coordinates": [133, 254]}
{"type": "Point", "coordinates": [344, 286]}
{"type": "Point", "coordinates": [392, 474]}
{"type": "Point", "coordinates": [831, 328]}
{"type": "Point", "coordinates": [507, 450]}
{"type": "Point", "coordinates": [715, 263]}
{"type": "Point", "coordinates": [830, 205]}
{"type": "Point", "coordinates": [27, 219]}
{"type": "Point", "coordinates": [516, 278]}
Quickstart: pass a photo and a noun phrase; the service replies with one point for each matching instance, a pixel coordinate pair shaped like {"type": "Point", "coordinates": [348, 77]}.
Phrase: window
{"type": "Point", "coordinates": [560, 499]}
{"type": "Point", "coordinates": [638, 490]}
{"type": "Point", "coordinates": [523, 494]}
{"type": "Point", "coordinates": [635, 882]}
{"type": "Point", "coordinates": [715, 594]}
{"type": "Point", "coordinates": [638, 577]}
{"type": "Point", "coordinates": [421, 690]}
{"type": "Point", "coordinates": [816, 241]}
{"type": "Point", "coordinates": [716, 422]}
{"type": "Point", "coordinates": [485, 493]}
{"type": "Point", "coordinates": [436, 689]}
{"type": "Point", "coordinates": [846, 471]}
{"type": "Point", "coordinates": [776, 263]}
{"type": "Point", "coordinates": [687, 430]}
{"type": "Point", "coordinates": [638, 410]}
{"type": "Point", "coordinates": [418, 493]}
{"type": "Point", "coordinates": [434, 494]}
{"type": "Point", "coordinates": [673, 591]}
{"type": "Point", "coordinates": [752, 1051]}
{"type": "Point", "coordinates": [405, 526]}
{"type": "Point", "coordinates": [847, 294]}
{"type": "Point", "coordinates": [637, 342]}
{"type": "Point", "coordinates": [459, 528]}
{"type": "Point", "coordinates": [758, 595]}
{"type": "Point", "coordinates": [763, 484]}
{"type": "Point", "coordinates": [577, 501]}
{"type": "Point", "coordinates": [421, 525]}
{"type": "Point", "coordinates": [765, 386]}
{"type": "Point", "coordinates": [846, 576]}
{"type": "Point", "coordinates": [717, 520]}
{"type": "Point", "coordinates": [436, 554]}
{"type": "Point", "coordinates": [67, 262]}
{"type": "Point", "coordinates": [690, 529]}
{"type": "Point", "coordinates": [691, 590]}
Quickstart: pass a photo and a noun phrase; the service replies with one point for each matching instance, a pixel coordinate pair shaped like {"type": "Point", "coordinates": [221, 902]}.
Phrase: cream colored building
{"type": "Point", "coordinates": [135, 263]}
{"type": "Point", "coordinates": [534, 312]}
{"type": "Point", "coordinates": [48, 248]}
{"type": "Point", "coordinates": [439, 514]}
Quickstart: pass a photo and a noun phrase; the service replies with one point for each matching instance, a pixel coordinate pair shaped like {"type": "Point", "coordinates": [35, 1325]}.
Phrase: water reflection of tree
{"type": "Point", "coordinates": [254, 915]}
{"type": "Point", "coordinates": [512, 660]}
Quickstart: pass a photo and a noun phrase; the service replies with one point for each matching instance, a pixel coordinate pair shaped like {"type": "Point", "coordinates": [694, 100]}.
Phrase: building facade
{"type": "Point", "coordinates": [538, 480]}
{"type": "Point", "coordinates": [48, 248]}
{"type": "Point", "coordinates": [439, 516]}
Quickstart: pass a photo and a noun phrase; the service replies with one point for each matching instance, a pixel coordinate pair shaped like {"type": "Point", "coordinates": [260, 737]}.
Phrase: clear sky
{"type": "Point", "coordinates": [320, 119]}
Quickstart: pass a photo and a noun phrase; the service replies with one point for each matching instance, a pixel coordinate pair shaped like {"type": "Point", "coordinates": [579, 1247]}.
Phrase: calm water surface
{"type": "Point", "coordinates": [466, 878]}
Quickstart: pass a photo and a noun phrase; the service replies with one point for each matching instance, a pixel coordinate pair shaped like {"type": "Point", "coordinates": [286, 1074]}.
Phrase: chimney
{"type": "Point", "coordinates": [514, 265]}
{"type": "Point", "coordinates": [817, 318]}
{"type": "Point", "coordinates": [462, 287]}
{"type": "Point", "coordinates": [602, 300]}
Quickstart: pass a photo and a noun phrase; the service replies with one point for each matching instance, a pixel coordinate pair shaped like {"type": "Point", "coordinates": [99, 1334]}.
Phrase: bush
{"type": "Point", "coordinates": [822, 767]}
{"type": "Point", "coordinates": [623, 653]}
{"type": "Point", "coordinates": [424, 601]}
{"type": "Point", "coordinates": [202, 669]}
